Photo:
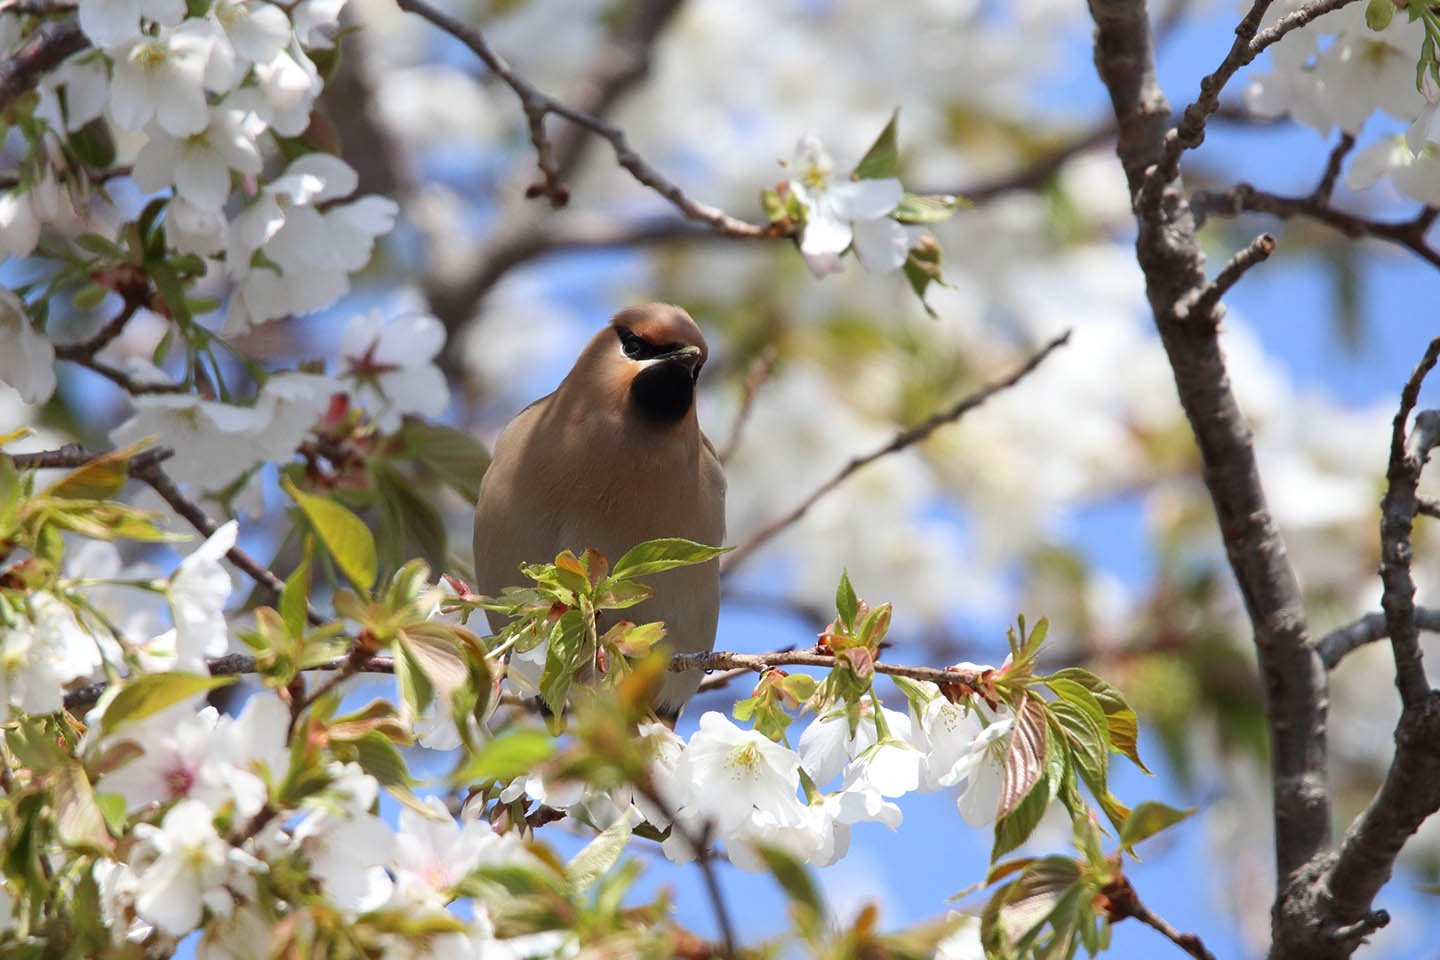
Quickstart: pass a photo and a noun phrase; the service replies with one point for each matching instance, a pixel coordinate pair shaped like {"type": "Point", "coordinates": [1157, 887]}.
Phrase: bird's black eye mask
{"type": "Point", "coordinates": [636, 347]}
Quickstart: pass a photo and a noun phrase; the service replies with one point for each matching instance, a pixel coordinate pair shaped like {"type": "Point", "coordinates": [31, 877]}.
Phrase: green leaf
{"type": "Point", "coordinates": [1086, 740]}
{"type": "Point", "coordinates": [925, 207]}
{"type": "Point", "coordinates": [793, 878]}
{"type": "Point", "coordinates": [143, 696]}
{"type": "Point", "coordinates": [1149, 819]}
{"type": "Point", "coordinates": [418, 518]}
{"type": "Point", "coordinates": [846, 603]}
{"type": "Point", "coordinates": [1120, 720]}
{"type": "Point", "coordinates": [922, 268]}
{"type": "Point", "coordinates": [89, 296]}
{"type": "Point", "coordinates": [381, 759]}
{"type": "Point", "coordinates": [454, 456]}
{"type": "Point", "coordinates": [1379, 13]}
{"type": "Point", "coordinates": [100, 245]}
{"type": "Point", "coordinates": [294, 597]}
{"type": "Point", "coordinates": [598, 856]}
{"type": "Point", "coordinates": [882, 160]}
{"type": "Point", "coordinates": [655, 556]}
{"type": "Point", "coordinates": [344, 535]}
{"type": "Point", "coordinates": [100, 479]}
{"type": "Point", "coordinates": [506, 757]}
{"type": "Point", "coordinates": [1025, 758]}
{"type": "Point", "coordinates": [562, 659]}
{"type": "Point", "coordinates": [78, 818]}
{"type": "Point", "coordinates": [1026, 903]}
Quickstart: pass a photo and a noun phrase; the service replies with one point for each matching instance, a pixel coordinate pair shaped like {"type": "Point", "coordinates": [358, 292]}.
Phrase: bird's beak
{"type": "Point", "coordinates": [687, 356]}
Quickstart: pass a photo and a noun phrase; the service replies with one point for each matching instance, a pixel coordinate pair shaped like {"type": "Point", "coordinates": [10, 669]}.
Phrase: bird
{"type": "Point", "coordinates": [613, 457]}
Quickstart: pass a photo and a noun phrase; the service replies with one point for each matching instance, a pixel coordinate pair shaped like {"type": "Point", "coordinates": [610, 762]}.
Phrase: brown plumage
{"type": "Point", "coordinates": [614, 457]}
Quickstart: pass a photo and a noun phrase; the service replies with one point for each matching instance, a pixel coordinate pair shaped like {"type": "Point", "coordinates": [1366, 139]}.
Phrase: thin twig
{"type": "Point", "coordinates": [758, 373]}
{"type": "Point", "coordinates": [1337, 643]}
{"type": "Point", "coordinates": [73, 455]}
{"type": "Point", "coordinates": [901, 440]}
{"type": "Point", "coordinates": [1326, 187]}
{"type": "Point", "coordinates": [1427, 506]}
{"type": "Point", "coordinates": [537, 106]}
{"type": "Point", "coordinates": [1249, 43]}
{"type": "Point", "coordinates": [1125, 903]}
{"type": "Point", "coordinates": [1243, 197]}
{"type": "Point", "coordinates": [161, 483]}
{"type": "Point", "coordinates": [731, 664]}
{"type": "Point", "coordinates": [1209, 298]}
{"type": "Point", "coordinates": [1409, 449]}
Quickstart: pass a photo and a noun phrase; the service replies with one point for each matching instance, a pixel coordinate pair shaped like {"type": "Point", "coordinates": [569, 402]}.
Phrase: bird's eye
{"type": "Point", "coordinates": [633, 346]}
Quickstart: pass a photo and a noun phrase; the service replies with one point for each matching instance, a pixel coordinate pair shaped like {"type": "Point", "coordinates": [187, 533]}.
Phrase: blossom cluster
{"type": "Point", "coordinates": [1338, 70]}
{"type": "Point", "coordinates": [201, 99]}
{"type": "Point", "coordinates": [751, 791]}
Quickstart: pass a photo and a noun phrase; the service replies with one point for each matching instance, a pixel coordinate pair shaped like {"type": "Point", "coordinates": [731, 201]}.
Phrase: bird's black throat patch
{"type": "Point", "coordinates": [663, 392]}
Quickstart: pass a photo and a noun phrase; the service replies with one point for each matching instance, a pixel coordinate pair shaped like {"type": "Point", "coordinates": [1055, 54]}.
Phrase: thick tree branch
{"type": "Point", "coordinates": [1294, 677]}
{"type": "Point", "coordinates": [1338, 642]}
{"type": "Point", "coordinates": [43, 52]}
{"type": "Point", "coordinates": [903, 439]}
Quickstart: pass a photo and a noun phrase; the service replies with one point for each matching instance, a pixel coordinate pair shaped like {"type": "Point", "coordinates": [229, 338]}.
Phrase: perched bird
{"type": "Point", "coordinates": [612, 458]}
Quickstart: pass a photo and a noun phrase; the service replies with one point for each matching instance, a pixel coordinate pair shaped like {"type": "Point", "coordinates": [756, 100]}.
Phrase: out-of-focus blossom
{"type": "Point", "coordinates": [392, 366]}
{"type": "Point", "coordinates": [27, 358]}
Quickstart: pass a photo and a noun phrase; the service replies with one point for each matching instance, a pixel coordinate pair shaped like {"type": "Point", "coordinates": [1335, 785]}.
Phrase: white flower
{"type": "Point", "coordinates": [111, 22]}
{"type": "Point", "coordinates": [292, 402]}
{"type": "Point", "coordinates": [203, 756]}
{"type": "Point", "coordinates": [194, 229]}
{"type": "Point", "coordinates": [40, 651]}
{"type": "Point", "coordinates": [433, 854]}
{"type": "Point", "coordinates": [728, 772]}
{"type": "Point", "coordinates": [892, 768]}
{"type": "Point", "coordinates": [250, 32]}
{"type": "Point", "coordinates": [27, 358]}
{"type": "Point", "coordinates": [214, 442]}
{"type": "Point", "coordinates": [244, 935]}
{"type": "Point", "coordinates": [162, 78]}
{"type": "Point", "coordinates": [23, 213]}
{"type": "Point", "coordinates": [183, 866]}
{"type": "Point", "coordinates": [197, 593]}
{"type": "Point", "coordinates": [838, 212]}
{"type": "Point", "coordinates": [963, 943]}
{"type": "Point", "coordinates": [199, 165]}
{"type": "Point", "coordinates": [118, 885]}
{"type": "Point", "coordinates": [815, 836]}
{"type": "Point", "coordinates": [948, 731]}
{"type": "Point", "coordinates": [983, 770]}
{"type": "Point", "coordinates": [316, 22]}
{"type": "Point", "coordinates": [1426, 128]}
{"type": "Point", "coordinates": [345, 844]}
{"type": "Point", "coordinates": [392, 366]}
{"type": "Point", "coordinates": [1364, 69]}
{"type": "Point", "coordinates": [86, 80]}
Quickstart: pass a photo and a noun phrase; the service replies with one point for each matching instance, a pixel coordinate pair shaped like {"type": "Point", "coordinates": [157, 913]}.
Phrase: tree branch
{"type": "Point", "coordinates": [43, 52]}
{"type": "Point", "coordinates": [537, 106]}
{"type": "Point", "coordinates": [1243, 197]}
{"type": "Point", "coordinates": [1397, 516]}
{"type": "Point", "coordinates": [1249, 43]}
{"type": "Point", "coordinates": [1125, 902]}
{"type": "Point", "coordinates": [1342, 640]}
{"type": "Point", "coordinates": [1208, 300]}
{"type": "Point", "coordinates": [1170, 257]}
{"type": "Point", "coordinates": [1326, 187]}
{"type": "Point", "coordinates": [903, 439]}
{"type": "Point", "coordinates": [756, 376]}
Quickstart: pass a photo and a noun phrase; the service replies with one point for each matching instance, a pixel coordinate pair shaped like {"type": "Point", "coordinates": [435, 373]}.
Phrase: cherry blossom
{"type": "Point", "coordinates": [729, 772]}
{"type": "Point", "coordinates": [198, 592]}
{"type": "Point", "coordinates": [111, 22]}
{"type": "Point", "coordinates": [162, 78]}
{"type": "Point", "coordinates": [391, 365]}
{"type": "Point", "coordinates": [183, 866]}
{"type": "Point", "coordinates": [27, 358]}
{"type": "Point", "coordinates": [199, 164]}
{"type": "Point", "coordinates": [837, 213]}
{"type": "Point", "coordinates": [42, 648]}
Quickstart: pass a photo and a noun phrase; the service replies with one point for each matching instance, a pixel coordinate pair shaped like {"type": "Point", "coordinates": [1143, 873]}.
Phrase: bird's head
{"type": "Point", "coordinates": [647, 362]}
